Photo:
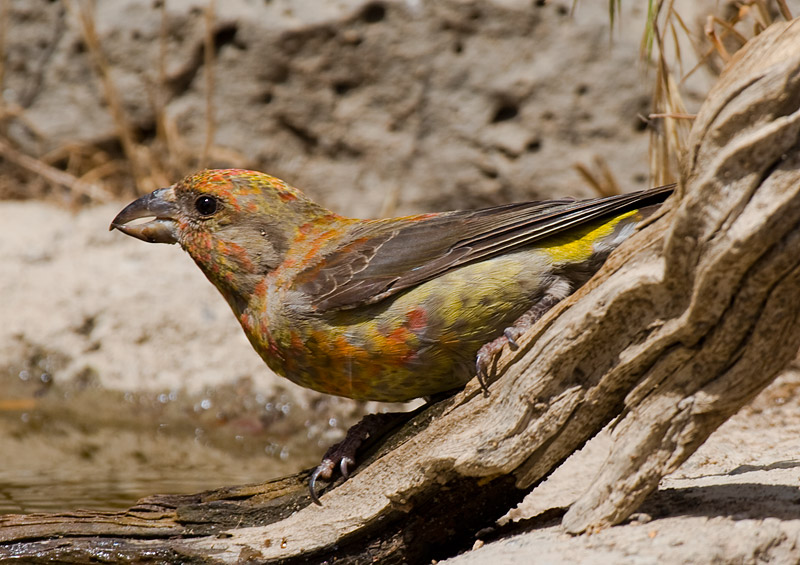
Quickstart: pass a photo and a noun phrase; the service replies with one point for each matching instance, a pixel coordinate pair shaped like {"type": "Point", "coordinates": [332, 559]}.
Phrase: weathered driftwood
{"type": "Point", "coordinates": [685, 324]}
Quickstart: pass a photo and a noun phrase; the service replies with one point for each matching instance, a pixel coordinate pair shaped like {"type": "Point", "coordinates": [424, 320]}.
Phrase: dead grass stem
{"type": "Point", "coordinates": [599, 177]}
{"type": "Point", "coordinates": [209, 56]}
{"type": "Point", "coordinates": [78, 186]}
{"type": "Point", "coordinates": [122, 124]}
{"type": "Point", "coordinates": [669, 119]}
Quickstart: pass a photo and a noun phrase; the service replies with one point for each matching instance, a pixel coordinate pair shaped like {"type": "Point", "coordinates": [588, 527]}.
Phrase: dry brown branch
{"type": "Point", "coordinates": [683, 325]}
{"type": "Point", "coordinates": [3, 31]}
{"type": "Point", "coordinates": [159, 103]}
{"type": "Point", "coordinates": [673, 116]}
{"type": "Point", "coordinates": [77, 186]}
{"type": "Point", "coordinates": [729, 28]}
{"type": "Point", "coordinates": [122, 123]}
{"type": "Point", "coordinates": [599, 177]}
{"type": "Point", "coordinates": [208, 61]}
{"type": "Point", "coordinates": [717, 40]}
{"type": "Point", "coordinates": [667, 134]}
{"type": "Point", "coordinates": [785, 11]}
{"type": "Point", "coordinates": [668, 139]}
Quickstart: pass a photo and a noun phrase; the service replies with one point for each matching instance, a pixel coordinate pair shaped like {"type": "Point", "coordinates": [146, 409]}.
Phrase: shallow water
{"type": "Point", "coordinates": [67, 447]}
{"type": "Point", "coordinates": [114, 470]}
{"type": "Point", "coordinates": [26, 493]}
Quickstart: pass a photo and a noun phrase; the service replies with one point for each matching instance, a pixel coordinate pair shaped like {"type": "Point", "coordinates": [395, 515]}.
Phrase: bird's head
{"type": "Point", "coordinates": [237, 225]}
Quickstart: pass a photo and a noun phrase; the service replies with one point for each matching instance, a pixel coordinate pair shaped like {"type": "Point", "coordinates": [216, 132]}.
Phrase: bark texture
{"type": "Point", "coordinates": [684, 324]}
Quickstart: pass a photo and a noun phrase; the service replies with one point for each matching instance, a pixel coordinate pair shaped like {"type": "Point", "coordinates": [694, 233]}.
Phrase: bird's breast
{"type": "Point", "coordinates": [420, 342]}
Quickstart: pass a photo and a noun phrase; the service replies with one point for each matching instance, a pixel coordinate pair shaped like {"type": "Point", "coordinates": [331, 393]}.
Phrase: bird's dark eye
{"type": "Point", "coordinates": [206, 205]}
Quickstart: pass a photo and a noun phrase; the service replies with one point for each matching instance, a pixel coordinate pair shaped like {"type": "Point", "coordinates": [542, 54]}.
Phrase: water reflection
{"type": "Point", "coordinates": [25, 493]}
{"type": "Point", "coordinates": [76, 445]}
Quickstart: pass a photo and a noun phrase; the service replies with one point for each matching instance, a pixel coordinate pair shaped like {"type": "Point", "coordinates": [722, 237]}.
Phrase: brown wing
{"type": "Point", "coordinates": [387, 256]}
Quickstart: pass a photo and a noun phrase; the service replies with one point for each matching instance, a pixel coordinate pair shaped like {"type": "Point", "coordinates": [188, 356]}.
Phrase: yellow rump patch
{"type": "Point", "coordinates": [577, 246]}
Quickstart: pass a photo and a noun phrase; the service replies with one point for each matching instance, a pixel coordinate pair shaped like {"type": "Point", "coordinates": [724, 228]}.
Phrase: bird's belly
{"type": "Point", "coordinates": [419, 343]}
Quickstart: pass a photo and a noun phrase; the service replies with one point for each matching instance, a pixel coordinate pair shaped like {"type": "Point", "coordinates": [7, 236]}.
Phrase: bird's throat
{"type": "Point", "coordinates": [231, 268]}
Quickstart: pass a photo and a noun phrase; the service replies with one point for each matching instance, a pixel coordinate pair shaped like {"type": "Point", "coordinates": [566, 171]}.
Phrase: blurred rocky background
{"type": "Point", "coordinates": [372, 107]}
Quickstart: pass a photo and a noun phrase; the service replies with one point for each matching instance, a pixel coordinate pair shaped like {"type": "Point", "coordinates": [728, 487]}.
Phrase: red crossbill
{"type": "Point", "coordinates": [389, 309]}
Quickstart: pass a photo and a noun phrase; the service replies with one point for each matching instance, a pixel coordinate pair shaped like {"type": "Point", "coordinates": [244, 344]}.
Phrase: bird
{"type": "Point", "coordinates": [388, 309]}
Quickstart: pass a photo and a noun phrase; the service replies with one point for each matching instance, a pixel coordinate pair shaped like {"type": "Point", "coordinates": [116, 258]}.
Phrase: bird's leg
{"type": "Point", "coordinates": [489, 352]}
{"type": "Point", "coordinates": [343, 454]}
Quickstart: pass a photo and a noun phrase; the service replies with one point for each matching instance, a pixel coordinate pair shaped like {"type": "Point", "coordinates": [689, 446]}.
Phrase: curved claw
{"type": "Point", "coordinates": [480, 371]}
{"type": "Point", "coordinates": [343, 454]}
{"type": "Point", "coordinates": [324, 470]}
{"type": "Point", "coordinates": [344, 466]}
{"type": "Point", "coordinates": [511, 335]}
{"type": "Point", "coordinates": [312, 484]}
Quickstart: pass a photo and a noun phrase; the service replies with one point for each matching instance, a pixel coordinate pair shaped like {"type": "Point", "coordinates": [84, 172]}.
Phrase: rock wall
{"type": "Point", "coordinates": [373, 107]}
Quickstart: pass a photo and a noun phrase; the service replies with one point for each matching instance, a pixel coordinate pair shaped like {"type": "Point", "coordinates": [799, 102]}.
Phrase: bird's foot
{"type": "Point", "coordinates": [343, 454]}
{"type": "Point", "coordinates": [487, 355]}
{"type": "Point", "coordinates": [490, 352]}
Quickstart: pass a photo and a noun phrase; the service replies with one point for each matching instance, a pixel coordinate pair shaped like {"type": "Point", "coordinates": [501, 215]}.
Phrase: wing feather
{"type": "Point", "coordinates": [384, 257]}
